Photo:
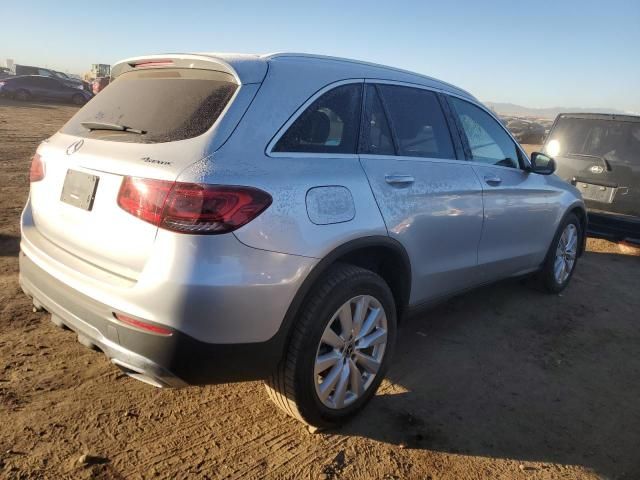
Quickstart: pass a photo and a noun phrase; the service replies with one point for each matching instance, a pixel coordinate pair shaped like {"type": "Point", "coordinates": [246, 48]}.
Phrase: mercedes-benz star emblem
{"type": "Point", "coordinates": [74, 147]}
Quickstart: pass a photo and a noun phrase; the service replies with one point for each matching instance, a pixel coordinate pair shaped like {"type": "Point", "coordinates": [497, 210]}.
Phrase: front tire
{"type": "Point", "coordinates": [340, 348]}
{"type": "Point", "coordinates": [562, 256]}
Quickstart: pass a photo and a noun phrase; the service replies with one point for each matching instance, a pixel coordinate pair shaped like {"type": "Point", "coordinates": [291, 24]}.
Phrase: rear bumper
{"type": "Point", "coordinates": [87, 318]}
{"type": "Point", "coordinates": [227, 305]}
{"type": "Point", "coordinates": [163, 361]}
{"type": "Point", "coordinates": [617, 228]}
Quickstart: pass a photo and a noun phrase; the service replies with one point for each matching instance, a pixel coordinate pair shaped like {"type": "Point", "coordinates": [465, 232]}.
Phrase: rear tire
{"type": "Point", "coordinates": [562, 257]}
{"type": "Point", "coordinates": [22, 95]}
{"type": "Point", "coordinates": [78, 99]}
{"type": "Point", "coordinates": [328, 372]}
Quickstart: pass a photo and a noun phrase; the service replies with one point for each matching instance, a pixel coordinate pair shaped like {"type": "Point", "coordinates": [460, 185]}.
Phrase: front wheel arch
{"type": "Point", "coordinates": [580, 212]}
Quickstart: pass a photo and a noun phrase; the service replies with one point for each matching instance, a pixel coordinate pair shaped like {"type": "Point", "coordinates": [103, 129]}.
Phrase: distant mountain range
{"type": "Point", "coordinates": [551, 113]}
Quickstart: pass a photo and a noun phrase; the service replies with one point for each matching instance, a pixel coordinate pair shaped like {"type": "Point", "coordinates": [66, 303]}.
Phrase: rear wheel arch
{"type": "Point", "coordinates": [390, 261]}
{"type": "Point", "coordinates": [380, 254]}
{"type": "Point", "coordinates": [22, 94]}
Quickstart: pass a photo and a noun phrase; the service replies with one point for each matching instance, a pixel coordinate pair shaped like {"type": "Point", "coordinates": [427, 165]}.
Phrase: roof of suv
{"type": "Point", "coordinates": [250, 68]}
{"type": "Point", "coordinates": [602, 116]}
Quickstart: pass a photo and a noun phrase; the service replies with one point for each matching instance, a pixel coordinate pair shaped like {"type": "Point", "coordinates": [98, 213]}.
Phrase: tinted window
{"type": "Point", "coordinates": [169, 104]}
{"type": "Point", "coordinates": [328, 125]}
{"type": "Point", "coordinates": [376, 135]}
{"type": "Point", "coordinates": [25, 70]}
{"type": "Point", "coordinates": [417, 121]}
{"type": "Point", "coordinates": [615, 140]}
{"type": "Point", "coordinates": [488, 141]}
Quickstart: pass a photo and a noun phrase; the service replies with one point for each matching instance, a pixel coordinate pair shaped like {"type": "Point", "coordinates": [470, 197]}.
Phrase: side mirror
{"type": "Point", "coordinates": [542, 164]}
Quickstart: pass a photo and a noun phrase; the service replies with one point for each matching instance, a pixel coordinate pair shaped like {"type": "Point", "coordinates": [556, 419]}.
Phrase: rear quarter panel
{"type": "Point", "coordinates": [285, 226]}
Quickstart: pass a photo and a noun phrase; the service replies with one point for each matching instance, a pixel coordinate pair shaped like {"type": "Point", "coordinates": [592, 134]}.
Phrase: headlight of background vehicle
{"type": "Point", "coordinates": [553, 148]}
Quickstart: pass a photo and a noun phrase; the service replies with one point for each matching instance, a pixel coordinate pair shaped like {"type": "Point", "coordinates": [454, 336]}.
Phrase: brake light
{"type": "Point", "coordinates": [36, 172]}
{"type": "Point", "coordinates": [192, 207]}
{"type": "Point", "coordinates": [152, 63]}
{"type": "Point", "coordinates": [141, 325]}
{"type": "Point", "coordinates": [144, 198]}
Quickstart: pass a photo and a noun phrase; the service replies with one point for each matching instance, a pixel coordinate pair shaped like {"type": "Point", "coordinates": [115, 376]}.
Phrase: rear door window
{"type": "Point", "coordinates": [417, 121]}
{"type": "Point", "coordinates": [330, 124]}
{"type": "Point", "coordinates": [168, 104]}
{"type": "Point", "coordinates": [487, 139]}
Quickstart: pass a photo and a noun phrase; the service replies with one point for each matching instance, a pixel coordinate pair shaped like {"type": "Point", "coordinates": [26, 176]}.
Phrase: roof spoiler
{"type": "Point", "coordinates": [244, 69]}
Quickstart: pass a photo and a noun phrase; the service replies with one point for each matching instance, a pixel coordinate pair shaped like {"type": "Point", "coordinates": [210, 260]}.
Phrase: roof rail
{"type": "Point", "coordinates": [274, 55]}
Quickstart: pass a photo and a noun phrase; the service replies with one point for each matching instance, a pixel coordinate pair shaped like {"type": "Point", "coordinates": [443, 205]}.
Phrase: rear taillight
{"type": "Point", "coordinates": [192, 207]}
{"type": "Point", "coordinates": [144, 198]}
{"type": "Point", "coordinates": [36, 172]}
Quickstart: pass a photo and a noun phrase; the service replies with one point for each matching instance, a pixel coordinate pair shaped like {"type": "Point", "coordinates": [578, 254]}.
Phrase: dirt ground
{"type": "Point", "coordinates": [504, 382]}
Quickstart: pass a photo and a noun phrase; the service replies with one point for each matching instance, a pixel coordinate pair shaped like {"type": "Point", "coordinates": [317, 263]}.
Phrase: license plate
{"type": "Point", "coordinates": [79, 189]}
{"type": "Point", "coordinates": [596, 193]}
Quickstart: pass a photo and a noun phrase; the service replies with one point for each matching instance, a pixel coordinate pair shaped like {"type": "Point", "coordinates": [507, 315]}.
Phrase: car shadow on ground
{"type": "Point", "coordinates": [9, 245]}
{"type": "Point", "coordinates": [509, 371]}
{"type": "Point", "coordinates": [7, 102]}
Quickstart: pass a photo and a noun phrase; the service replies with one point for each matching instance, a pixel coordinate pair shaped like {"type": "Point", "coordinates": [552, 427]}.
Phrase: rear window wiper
{"type": "Point", "coordinates": [111, 126]}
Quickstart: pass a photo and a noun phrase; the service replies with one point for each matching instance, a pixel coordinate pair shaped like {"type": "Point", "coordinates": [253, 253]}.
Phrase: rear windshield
{"type": "Point", "coordinates": [613, 140]}
{"type": "Point", "coordinates": [166, 104]}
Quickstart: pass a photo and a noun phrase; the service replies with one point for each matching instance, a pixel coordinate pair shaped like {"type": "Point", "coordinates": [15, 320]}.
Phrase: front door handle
{"type": "Point", "coordinates": [399, 180]}
{"type": "Point", "coordinates": [492, 180]}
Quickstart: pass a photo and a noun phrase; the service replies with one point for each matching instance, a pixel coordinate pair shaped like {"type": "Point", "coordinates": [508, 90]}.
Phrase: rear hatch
{"type": "Point", "coordinates": [600, 154]}
{"type": "Point", "coordinates": [166, 111]}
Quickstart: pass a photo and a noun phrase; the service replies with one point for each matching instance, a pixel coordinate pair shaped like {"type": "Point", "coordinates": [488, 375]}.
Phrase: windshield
{"type": "Point", "coordinates": [613, 140]}
{"type": "Point", "coordinates": [167, 104]}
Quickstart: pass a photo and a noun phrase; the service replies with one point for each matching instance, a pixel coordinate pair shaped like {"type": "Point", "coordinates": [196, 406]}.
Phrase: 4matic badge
{"type": "Point", "coordinates": [153, 160]}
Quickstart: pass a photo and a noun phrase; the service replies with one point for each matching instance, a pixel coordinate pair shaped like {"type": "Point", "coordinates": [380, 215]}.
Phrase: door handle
{"type": "Point", "coordinates": [399, 179]}
{"type": "Point", "coordinates": [492, 180]}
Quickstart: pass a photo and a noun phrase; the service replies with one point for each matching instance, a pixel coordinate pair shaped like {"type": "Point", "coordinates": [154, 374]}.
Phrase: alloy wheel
{"type": "Point", "coordinates": [351, 351]}
{"type": "Point", "coordinates": [566, 252]}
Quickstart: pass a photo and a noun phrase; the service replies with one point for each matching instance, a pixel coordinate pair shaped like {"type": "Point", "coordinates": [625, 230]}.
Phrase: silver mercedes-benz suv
{"type": "Point", "coordinates": [211, 218]}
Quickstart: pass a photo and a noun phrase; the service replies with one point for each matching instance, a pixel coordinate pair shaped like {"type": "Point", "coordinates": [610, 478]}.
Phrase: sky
{"type": "Point", "coordinates": [536, 53]}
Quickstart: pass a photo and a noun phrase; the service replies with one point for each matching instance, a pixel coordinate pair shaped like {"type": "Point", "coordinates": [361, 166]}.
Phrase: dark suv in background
{"type": "Point", "coordinates": [600, 154]}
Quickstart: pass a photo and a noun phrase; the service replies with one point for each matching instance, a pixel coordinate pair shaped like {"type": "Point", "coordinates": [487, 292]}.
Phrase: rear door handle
{"type": "Point", "coordinates": [492, 180]}
{"type": "Point", "coordinates": [399, 179]}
